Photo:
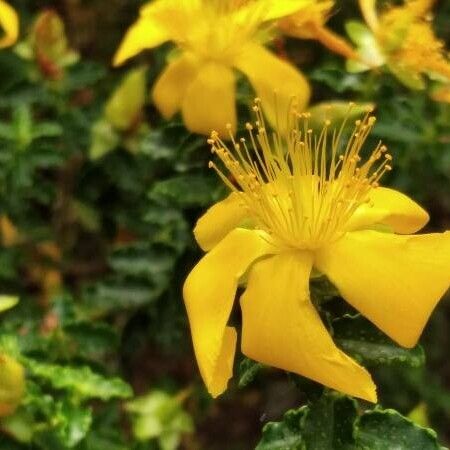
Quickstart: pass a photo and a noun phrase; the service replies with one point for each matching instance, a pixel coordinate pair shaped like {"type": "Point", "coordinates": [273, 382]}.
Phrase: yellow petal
{"type": "Point", "coordinates": [209, 293]}
{"type": "Point", "coordinates": [219, 220]}
{"type": "Point", "coordinates": [209, 103]}
{"type": "Point", "coordinates": [275, 81]}
{"type": "Point", "coordinates": [276, 9]}
{"type": "Point", "coordinates": [392, 208]}
{"type": "Point", "coordinates": [145, 33]}
{"type": "Point", "coordinates": [9, 24]}
{"type": "Point", "coordinates": [395, 281]}
{"type": "Point", "coordinates": [171, 87]}
{"type": "Point", "coordinates": [282, 328]}
{"type": "Point", "coordinates": [369, 12]}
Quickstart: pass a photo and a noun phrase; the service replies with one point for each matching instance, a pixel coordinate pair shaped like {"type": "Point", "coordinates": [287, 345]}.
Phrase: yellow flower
{"type": "Point", "coordinates": [9, 25]}
{"type": "Point", "coordinates": [402, 38]}
{"type": "Point", "coordinates": [214, 37]}
{"type": "Point", "coordinates": [309, 23]}
{"type": "Point", "coordinates": [301, 203]}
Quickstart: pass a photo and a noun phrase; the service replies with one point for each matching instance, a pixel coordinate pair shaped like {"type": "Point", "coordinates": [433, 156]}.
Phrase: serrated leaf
{"type": "Point", "coordinates": [284, 435]}
{"type": "Point", "coordinates": [143, 260]}
{"type": "Point", "coordinates": [248, 369]}
{"type": "Point", "coordinates": [81, 380]}
{"type": "Point", "coordinates": [92, 338]}
{"type": "Point", "coordinates": [112, 295]}
{"type": "Point", "coordinates": [359, 338]}
{"type": "Point", "coordinates": [388, 430]}
{"type": "Point", "coordinates": [68, 427]}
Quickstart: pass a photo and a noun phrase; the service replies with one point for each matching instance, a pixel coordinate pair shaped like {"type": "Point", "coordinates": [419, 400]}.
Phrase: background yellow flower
{"type": "Point", "coordinates": [9, 24]}
{"type": "Point", "coordinates": [213, 38]}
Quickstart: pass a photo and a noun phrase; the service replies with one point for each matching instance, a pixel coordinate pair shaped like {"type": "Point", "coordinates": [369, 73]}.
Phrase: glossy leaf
{"type": "Point", "coordinates": [367, 344]}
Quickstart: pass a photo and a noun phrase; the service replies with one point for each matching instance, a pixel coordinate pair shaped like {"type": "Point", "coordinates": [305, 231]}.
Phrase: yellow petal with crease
{"type": "Point", "coordinates": [209, 103]}
{"type": "Point", "coordinates": [282, 328]}
{"type": "Point", "coordinates": [395, 281]}
{"type": "Point", "coordinates": [392, 208]}
{"type": "Point", "coordinates": [275, 81]}
{"type": "Point", "coordinates": [172, 85]}
{"type": "Point", "coordinates": [9, 25]}
{"type": "Point", "coordinates": [209, 293]}
{"type": "Point", "coordinates": [145, 33]}
{"type": "Point", "coordinates": [219, 220]}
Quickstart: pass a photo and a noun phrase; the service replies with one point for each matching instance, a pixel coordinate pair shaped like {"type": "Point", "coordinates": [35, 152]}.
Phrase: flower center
{"type": "Point", "coordinates": [215, 30]}
{"type": "Point", "coordinates": [301, 188]}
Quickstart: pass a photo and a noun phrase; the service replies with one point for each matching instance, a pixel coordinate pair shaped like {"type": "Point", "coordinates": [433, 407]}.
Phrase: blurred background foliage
{"type": "Point", "coordinates": [96, 212]}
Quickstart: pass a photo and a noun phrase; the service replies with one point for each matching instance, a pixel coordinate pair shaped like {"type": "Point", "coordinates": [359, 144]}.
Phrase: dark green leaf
{"type": "Point", "coordinates": [284, 435]}
{"type": "Point", "coordinates": [367, 344]}
{"type": "Point", "coordinates": [143, 260]}
{"type": "Point", "coordinates": [248, 369]}
{"type": "Point", "coordinates": [328, 423]}
{"type": "Point", "coordinates": [388, 430]}
{"type": "Point", "coordinates": [187, 191]}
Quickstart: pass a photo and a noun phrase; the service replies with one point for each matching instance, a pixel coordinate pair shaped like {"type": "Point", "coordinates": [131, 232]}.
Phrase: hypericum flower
{"type": "Point", "coordinates": [214, 37]}
{"type": "Point", "coordinates": [300, 203]}
{"type": "Point", "coordinates": [401, 38]}
{"type": "Point", "coordinates": [309, 23]}
{"type": "Point", "coordinates": [9, 25]}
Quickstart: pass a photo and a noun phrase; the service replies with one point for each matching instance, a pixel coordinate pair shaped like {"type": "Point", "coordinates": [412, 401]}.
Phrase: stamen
{"type": "Point", "coordinates": [302, 189]}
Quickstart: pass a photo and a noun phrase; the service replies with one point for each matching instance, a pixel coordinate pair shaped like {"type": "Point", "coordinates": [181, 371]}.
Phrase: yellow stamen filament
{"type": "Point", "coordinates": [301, 189]}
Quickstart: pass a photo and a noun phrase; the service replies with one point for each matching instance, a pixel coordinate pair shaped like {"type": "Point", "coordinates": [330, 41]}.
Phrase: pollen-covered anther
{"type": "Point", "coordinates": [303, 187]}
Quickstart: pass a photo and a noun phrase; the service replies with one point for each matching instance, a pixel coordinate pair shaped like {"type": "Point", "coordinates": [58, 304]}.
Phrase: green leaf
{"type": "Point", "coordinates": [332, 423]}
{"type": "Point", "coordinates": [328, 423]}
{"type": "Point", "coordinates": [80, 380]}
{"type": "Point", "coordinates": [113, 295]}
{"type": "Point", "coordinates": [92, 339]}
{"type": "Point", "coordinates": [187, 191]}
{"type": "Point", "coordinates": [248, 369]}
{"type": "Point", "coordinates": [357, 337]}
{"type": "Point", "coordinates": [160, 415]}
{"type": "Point", "coordinates": [284, 435]}
{"type": "Point", "coordinates": [68, 427]}
{"type": "Point", "coordinates": [388, 430]}
{"type": "Point", "coordinates": [141, 259]}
